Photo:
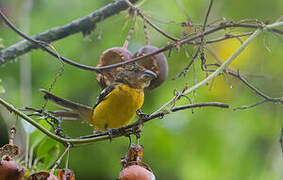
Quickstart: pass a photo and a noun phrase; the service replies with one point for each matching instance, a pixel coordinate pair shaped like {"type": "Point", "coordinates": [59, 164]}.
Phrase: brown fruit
{"type": "Point", "coordinates": [10, 170]}
{"type": "Point", "coordinates": [42, 175]}
{"type": "Point", "coordinates": [66, 174]}
{"type": "Point", "coordinates": [157, 63]}
{"type": "Point", "coordinates": [9, 151]}
{"type": "Point", "coordinates": [111, 56]}
{"type": "Point", "coordinates": [136, 172]}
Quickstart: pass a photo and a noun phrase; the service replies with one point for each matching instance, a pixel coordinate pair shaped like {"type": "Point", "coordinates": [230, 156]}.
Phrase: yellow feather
{"type": "Point", "coordinates": [118, 108]}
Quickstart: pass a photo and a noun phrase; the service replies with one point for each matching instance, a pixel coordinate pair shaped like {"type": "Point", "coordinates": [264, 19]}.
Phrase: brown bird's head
{"type": "Point", "coordinates": [135, 76]}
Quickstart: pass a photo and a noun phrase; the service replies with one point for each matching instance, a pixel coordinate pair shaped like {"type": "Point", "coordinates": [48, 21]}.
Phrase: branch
{"type": "Point", "coordinates": [265, 97]}
{"type": "Point", "coordinates": [141, 14]}
{"type": "Point", "coordinates": [166, 107]}
{"type": "Point", "coordinates": [84, 24]}
{"type": "Point", "coordinates": [250, 106]}
{"type": "Point", "coordinates": [59, 160]}
{"type": "Point", "coordinates": [215, 104]}
{"type": "Point", "coordinates": [257, 91]}
{"type": "Point", "coordinates": [207, 14]}
{"type": "Point", "coordinates": [127, 130]}
{"type": "Point", "coordinates": [221, 26]}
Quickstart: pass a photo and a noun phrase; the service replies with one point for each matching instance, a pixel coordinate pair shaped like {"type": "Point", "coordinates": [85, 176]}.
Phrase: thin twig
{"type": "Point", "coordinates": [227, 36]}
{"type": "Point", "coordinates": [126, 43]}
{"type": "Point", "coordinates": [186, 69]}
{"type": "Point", "coordinates": [206, 15]}
{"type": "Point", "coordinates": [59, 74]}
{"type": "Point", "coordinates": [215, 104]}
{"type": "Point", "coordinates": [250, 106]}
{"type": "Point", "coordinates": [202, 40]}
{"type": "Point", "coordinates": [58, 162]}
{"type": "Point", "coordinates": [141, 14]}
{"type": "Point", "coordinates": [145, 30]}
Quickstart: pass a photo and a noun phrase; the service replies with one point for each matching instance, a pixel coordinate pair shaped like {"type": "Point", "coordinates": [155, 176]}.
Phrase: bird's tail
{"type": "Point", "coordinates": [72, 110]}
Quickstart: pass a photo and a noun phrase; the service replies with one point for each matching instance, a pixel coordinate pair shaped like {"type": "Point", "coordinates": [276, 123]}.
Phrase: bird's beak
{"type": "Point", "coordinates": [147, 74]}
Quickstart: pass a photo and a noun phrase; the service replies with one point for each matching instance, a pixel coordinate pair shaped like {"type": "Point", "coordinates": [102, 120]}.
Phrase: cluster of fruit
{"type": "Point", "coordinates": [10, 169]}
{"type": "Point", "coordinates": [156, 63]}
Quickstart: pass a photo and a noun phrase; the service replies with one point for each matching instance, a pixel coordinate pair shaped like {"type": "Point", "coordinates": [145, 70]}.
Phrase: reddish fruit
{"type": "Point", "coordinates": [10, 170]}
{"type": "Point", "coordinates": [111, 56]}
{"type": "Point", "coordinates": [157, 63]}
{"type": "Point", "coordinates": [66, 174]}
{"type": "Point", "coordinates": [42, 175]}
{"type": "Point", "coordinates": [134, 155]}
{"type": "Point", "coordinates": [136, 172]}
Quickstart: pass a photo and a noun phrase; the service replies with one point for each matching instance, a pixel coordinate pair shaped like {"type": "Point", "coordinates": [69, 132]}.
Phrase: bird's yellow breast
{"type": "Point", "coordinates": [118, 108]}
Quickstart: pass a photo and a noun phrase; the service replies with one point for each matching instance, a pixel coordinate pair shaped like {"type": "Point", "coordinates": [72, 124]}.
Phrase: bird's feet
{"type": "Point", "coordinates": [110, 132]}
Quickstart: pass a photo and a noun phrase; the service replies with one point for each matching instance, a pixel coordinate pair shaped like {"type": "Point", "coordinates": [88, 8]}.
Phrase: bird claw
{"type": "Point", "coordinates": [137, 128]}
{"type": "Point", "coordinates": [110, 132]}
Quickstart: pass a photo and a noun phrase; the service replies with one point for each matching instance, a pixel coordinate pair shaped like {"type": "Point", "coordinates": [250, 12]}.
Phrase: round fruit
{"type": "Point", "coordinates": [156, 63]}
{"type": "Point", "coordinates": [136, 172]}
{"type": "Point", "coordinates": [10, 170]}
{"type": "Point", "coordinates": [66, 174]}
{"type": "Point", "coordinates": [111, 56]}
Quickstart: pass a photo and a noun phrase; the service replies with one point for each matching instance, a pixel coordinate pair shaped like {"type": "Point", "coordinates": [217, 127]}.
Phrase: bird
{"type": "Point", "coordinates": [116, 105]}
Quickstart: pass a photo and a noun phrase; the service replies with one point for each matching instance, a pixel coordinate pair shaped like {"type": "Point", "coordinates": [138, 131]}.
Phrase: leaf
{"type": "Point", "coordinates": [46, 149]}
{"type": "Point", "coordinates": [48, 152]}
{"type": "Point", "coordinates": [37, 136]}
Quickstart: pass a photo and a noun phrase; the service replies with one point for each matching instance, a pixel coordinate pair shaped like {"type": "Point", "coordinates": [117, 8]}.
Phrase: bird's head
{"type": "Point", "coordinates": [135, 76]}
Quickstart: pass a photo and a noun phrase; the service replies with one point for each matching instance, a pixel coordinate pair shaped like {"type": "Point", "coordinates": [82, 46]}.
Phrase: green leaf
{"type": "Point", "coordinates": [48, 152]}
{"type": "Point", "coordinates": [37, 136]}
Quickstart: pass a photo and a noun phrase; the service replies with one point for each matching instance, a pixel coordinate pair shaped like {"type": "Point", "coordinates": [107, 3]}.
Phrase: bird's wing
{"type": "Point", "coordinates": [104, 93]}
{"type": "Point", "coordinates": [65, 115]}
{"type": "Point", "coordinates": [81, 110]}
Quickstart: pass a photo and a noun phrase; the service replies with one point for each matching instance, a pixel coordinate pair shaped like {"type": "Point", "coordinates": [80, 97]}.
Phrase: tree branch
{"type": "Point", "coordinates": [167, 106]}
{"type": "Point", "coordinates": [84, 25]}
{"type": "Point", "coordinates": [189, 40]}
{"type": "Point", "coordinates": [141, 14]}
{"type": "Point", "coordinates": [257, 91]}
{"type": "Point", "coordinates": [102, 136]}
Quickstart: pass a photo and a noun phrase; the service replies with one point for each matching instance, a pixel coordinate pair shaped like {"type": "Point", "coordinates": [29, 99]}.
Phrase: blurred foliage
{"type": "Point", "coordinates": [2, 90]}
{"type": "Point", "coordinates": [209, 144]}
{"type": "Point", "coordinates": [46, 150]}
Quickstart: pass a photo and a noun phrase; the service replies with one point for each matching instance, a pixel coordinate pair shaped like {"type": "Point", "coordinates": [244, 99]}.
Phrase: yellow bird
{"type": "Point", "coordinates": [116, 104]}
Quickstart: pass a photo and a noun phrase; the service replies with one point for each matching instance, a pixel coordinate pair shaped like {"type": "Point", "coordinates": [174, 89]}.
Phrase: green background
{"type": "Point", "coordinates": [211, 143]}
